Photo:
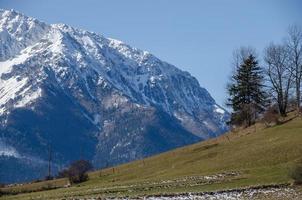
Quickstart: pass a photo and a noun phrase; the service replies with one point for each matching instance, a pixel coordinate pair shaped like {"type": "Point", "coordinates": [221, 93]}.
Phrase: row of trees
{"type": "Point", "coordinates": [255, 87]}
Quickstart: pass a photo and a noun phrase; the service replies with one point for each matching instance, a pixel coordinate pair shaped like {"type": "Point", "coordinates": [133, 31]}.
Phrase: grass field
{"type": "Point", "coordinates": [251, 157]}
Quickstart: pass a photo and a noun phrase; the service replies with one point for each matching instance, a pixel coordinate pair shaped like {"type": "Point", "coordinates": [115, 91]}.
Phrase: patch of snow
{"type": "Point", "coordinates": [205, 123]}
{"type": "Point", "coordinates": [97, 119]}
{"type": "Point", "coordinates": [29, 98]}
{"type": "Point", "coordinates": [56, 38]}
{"type": "Point", "coordinates": [179, 116]}
{"type": "Point", "coordinates": [114, 101]}
{"type": "Point", "coordinates": [6, 66]}
{"type": "Point", "coordinates": [265, 193]}
{"type": "Point", "coordinates": [114, 147]}
{"type": "Point", "coordinates": [219, 110]}
{"type": "Point", "coordinates": [9, 89]}
{"type": "Point", "coordinates": [9, 151]}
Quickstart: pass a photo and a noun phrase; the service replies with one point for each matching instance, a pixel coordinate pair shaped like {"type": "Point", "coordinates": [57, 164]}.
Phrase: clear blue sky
{"type": "Point", "coordinates": [195, 35]}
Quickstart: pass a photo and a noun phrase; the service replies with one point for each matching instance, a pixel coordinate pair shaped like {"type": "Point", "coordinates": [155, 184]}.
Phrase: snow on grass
{"type": "Point", "coordinates": [266, 193]}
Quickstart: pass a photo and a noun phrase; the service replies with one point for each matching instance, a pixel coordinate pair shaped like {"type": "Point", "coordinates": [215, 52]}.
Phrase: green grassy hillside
{"type": "Point", "coordinates": [250, 157]}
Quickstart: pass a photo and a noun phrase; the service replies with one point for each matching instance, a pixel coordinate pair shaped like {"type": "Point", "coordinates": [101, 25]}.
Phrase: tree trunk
{"type": "Point", "coordinates": [283, 111]}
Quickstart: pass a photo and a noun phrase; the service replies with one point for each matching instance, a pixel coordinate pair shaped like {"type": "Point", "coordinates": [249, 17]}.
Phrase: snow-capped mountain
{"type": "Point", "coordinates": [88, 96]}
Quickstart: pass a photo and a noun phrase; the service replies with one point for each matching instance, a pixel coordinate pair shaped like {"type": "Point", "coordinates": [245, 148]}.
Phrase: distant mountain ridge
{"type": "Point", "coordinates": [90, 96]}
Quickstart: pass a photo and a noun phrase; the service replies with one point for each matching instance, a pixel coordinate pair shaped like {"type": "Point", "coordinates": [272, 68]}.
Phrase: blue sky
{"type": "Point", "coordinates": [195, 35]}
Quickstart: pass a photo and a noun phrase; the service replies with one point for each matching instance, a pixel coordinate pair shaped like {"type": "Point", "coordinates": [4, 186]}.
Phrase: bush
{"type": "Point", "coordinates": [271, 116]}
{"type": "Point", "coordinates": [47, 178]}
{"type": "Point", "coordinates": [296, 173]}
{"type": "Point", "coordinates": [77, 172]}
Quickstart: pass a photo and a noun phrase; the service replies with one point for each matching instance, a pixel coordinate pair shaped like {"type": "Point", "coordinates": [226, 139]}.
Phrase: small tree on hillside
{"type": "Point", "coordinates": [77, 172]}
{"type": "Point", "coordinates": [247, 96]}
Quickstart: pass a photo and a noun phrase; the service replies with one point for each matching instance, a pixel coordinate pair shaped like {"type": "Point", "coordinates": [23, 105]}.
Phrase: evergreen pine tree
{"type": "Point", "coordinates": [247, 94]}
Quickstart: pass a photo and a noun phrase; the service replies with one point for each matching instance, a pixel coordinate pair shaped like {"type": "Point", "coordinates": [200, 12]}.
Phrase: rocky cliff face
{"type": "Point", "coordinates": [87, 96]}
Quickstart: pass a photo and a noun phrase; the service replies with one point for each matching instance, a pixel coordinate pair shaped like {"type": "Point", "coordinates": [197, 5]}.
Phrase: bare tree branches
{"type": "Point", "coordinates": [279, 73]}
{"type": "Point", "coordinates": [283, 75]}
{"type": "Point", "coordinates": [294, 47]}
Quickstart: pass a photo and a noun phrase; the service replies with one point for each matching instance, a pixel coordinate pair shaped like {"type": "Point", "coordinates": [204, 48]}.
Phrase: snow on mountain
{"type": "Point", "coordinates": [8, 151]}
{"type": "Point", "coordinates": [126, 99]}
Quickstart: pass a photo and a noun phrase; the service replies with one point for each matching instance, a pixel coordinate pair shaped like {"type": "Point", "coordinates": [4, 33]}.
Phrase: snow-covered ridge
{"type": "Point", "coordinates": [18, 31]}
{"type": "Point", "coordinates": [29, 46]}
{"type": "Point", "coordinates": [120, 102]}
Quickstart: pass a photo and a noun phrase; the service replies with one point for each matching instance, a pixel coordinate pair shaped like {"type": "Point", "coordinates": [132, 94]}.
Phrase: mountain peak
{"type": "Point", "coordinates": [75, 53]}
{"type": "Point", "coordinates": [11, 12]}
{"type": "Point", "coordinates": [119, 102]}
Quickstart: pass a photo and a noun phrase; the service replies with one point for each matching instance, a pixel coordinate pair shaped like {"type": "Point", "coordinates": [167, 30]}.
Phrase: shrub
{"type": "Point", "coordinates": [271, 116]}
{"type": "Point", "coordinates": [47, 178]}
{"type": "Point", "coordinates": [77, 172]}
{"type": "Point", "coordinates": [296, 173]}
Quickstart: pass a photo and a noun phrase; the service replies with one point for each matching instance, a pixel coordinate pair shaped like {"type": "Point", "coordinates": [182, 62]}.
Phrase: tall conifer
{"type": "Point", "coordinates": [247, 96]}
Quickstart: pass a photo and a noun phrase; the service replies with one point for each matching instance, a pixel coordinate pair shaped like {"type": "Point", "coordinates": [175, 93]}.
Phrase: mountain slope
{"type": "Point", "coordinates": [84, 95]}
{"type": "Point", "coordinates": [247, 158]}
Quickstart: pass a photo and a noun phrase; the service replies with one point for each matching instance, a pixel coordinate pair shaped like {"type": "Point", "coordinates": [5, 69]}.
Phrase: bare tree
{"type": "Point", "coordinates": [294, 46]}
{"type": "Point", "coordinates": [279, 74]}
